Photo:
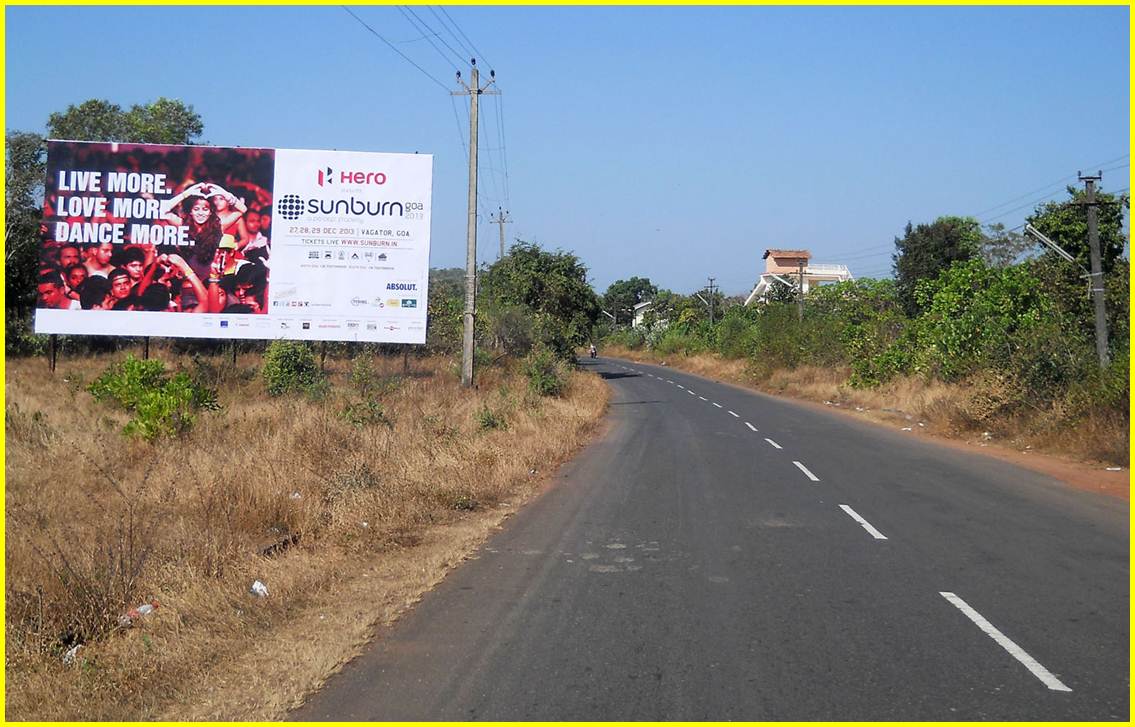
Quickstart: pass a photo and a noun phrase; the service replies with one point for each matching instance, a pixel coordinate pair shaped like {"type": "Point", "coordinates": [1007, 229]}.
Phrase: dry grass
{"type": "Point", "coordinates": [346, 525]}
{"type": "Point", "coordinates": [967, 411]}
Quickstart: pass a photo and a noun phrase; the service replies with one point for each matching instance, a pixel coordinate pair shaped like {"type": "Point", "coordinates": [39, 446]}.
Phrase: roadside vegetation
{"type": "Point", "coordinates": [972, 334]}
{"type": "Point", "coordinates": [210, 532]}
{"type": "Point", "coordinates": [344, 486]}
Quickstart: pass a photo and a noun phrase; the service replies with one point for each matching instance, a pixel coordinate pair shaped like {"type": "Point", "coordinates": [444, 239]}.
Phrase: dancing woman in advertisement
{"type": "Point", "coordinates": [197, 212]}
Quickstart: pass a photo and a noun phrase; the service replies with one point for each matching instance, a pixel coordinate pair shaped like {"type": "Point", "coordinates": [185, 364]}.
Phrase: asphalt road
{"type": "Point", "coordinates": [724, 555]}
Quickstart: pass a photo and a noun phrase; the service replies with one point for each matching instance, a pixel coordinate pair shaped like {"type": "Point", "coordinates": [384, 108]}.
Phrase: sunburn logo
{"type": "Point", "coordinates": [292, 207]}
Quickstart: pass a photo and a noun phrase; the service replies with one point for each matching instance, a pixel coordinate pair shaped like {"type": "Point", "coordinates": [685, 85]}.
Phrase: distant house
{"type": "Point", "coordinates": [640, 310]}
{"type": "Point", "coordinates": [786, 266]}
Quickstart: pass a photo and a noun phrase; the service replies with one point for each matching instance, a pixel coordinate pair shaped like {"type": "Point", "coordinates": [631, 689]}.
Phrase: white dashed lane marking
{"type": "Point", "coordinates": [717, 405]}
{"type": "Point", "coordinates": [804, 469]}
{"type": "Point", "coordinates": [750, 426]}
{"type": "Point", "coordinates": [734, 413]}
{"type": "Point", "coordinates": [1047, 677]}
{"type": "Point", "coordinates": [773, 443]}
{"type": "Point", "coordinates": [866, 525]}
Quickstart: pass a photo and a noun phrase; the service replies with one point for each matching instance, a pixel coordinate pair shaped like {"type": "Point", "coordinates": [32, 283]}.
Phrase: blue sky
{"type": "Point", "coordinates": [670, 143]}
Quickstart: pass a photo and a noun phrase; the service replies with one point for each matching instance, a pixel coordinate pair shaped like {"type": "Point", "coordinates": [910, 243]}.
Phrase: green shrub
{"type": "Point", "coordinates": [128, 381]}
{"type": "Point", "coordinates": [19, 339]}
{"type": "Point", "coordinates": [162, 407]}
{"type": "Point", "coordinates": [365, 413]}
{"type": "Point", "coordinates": [628, 338]}
{"type": "Point", "coordinates": [290, 366]}
{"type": "Point", "coordinates": [489, 419]}
{"type": "Point", "coordinates": [544, 372]}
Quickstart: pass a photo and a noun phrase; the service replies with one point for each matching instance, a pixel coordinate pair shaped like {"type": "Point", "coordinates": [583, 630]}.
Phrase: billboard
{"type": "Point", "coordinates": [220, 242]}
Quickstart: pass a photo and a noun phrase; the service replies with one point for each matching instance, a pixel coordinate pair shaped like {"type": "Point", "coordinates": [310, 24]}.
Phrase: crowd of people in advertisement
{"type": "Point", "coordinates": [224, 270]}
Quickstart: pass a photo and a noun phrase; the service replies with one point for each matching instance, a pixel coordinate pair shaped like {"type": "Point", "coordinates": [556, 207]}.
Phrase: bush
{"type": "Point", "coordinates": [365, 413]}
{"type": "Point", "coordinates": [632, 338]}
{"type": "Point", "coordinates": [544, 373]}
{"type": "Point", "coordinates": [489, 419]}
{"type": "Point", "coordinates": [162, 407]}
{"type": "Point", "coordinates": [290, 366]}
{"type": "Point", "coordinates": [19, 340]}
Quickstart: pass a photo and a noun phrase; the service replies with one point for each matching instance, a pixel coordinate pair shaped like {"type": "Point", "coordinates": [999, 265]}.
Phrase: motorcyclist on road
{"type": "Point", "coordinates": [592, 351]}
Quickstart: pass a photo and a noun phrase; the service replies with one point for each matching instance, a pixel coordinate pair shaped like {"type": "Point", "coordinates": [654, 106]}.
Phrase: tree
{"type": "Point", "coordinates": [1001, 248]}
{"type": "Point", "coordinates": [24, 170]}
{"type": "Point", "coordinates": [926, 250]}
{"type": "Point", "coordinates": [165, 121]}
{"type": "Point", "coordinates": [1066, 224]}
{"type": "Point", "coordinates": [551, 286]}
{"type": "Point", "coordinates": [623, 295]}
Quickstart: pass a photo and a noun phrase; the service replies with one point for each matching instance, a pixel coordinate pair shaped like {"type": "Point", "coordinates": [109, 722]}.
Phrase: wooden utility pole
{"type": "Point", "coordinates": [1097, 268]}
{"type": "Point", "coordinates": [473, 91]}
{"type": "Point", "coordinates": [502, 220]}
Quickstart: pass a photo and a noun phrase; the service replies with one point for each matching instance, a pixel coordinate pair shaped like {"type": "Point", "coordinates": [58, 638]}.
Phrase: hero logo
{"type": "Point", "coordinates": [401, 286]}
{"type": "Point", "coordinates": [327, 176]}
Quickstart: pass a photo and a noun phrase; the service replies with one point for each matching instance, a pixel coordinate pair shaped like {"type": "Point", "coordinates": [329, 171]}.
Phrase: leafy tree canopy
{"type": "Point", "coordinates": [165, 121]}
{"type": "Point", "coordinates": [1066, 224]}
{"type": "Point", "coordinates": [928, 249]}
{"type": "Point", "coordinates": [623, 295]}
{"type": "Point", "coordinates": [552, 286]}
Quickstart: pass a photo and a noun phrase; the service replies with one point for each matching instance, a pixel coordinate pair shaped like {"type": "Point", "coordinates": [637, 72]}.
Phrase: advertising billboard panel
{"type": "Point", "coordinates": [219, 242]}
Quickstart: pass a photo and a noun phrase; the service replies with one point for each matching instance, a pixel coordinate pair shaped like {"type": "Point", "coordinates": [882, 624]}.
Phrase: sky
{"type": "Point", "coordinates": [670, 143]}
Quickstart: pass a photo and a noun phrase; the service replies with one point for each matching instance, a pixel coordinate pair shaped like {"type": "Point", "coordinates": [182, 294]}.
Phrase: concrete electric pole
{"type": "Point", "coordinates": [711, 288]}
{"type": "Point", "coordinates": [502, 220]}
{"type": "Point", "coordinates": [1097, 267]}
{"type": "Point", "coordinates": [800, 289]}
{"type": "Point", "coordinates": [474, 92]}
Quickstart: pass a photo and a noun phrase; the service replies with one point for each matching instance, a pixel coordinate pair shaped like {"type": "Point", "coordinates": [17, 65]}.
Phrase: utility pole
{"type": "Point", "coordinates": [473, 91]}
{"type": "Point", "coordinates": [1097, 267]}
{"type": "Point", "coordinates": [502, 220]}
{"type": "Point", "coordinates": [800, 289]}
{"type": "Point", "coordinates": [710, 289]}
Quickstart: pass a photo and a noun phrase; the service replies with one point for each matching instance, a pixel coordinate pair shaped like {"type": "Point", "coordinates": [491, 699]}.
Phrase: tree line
{"type": "Point", "coordinates": [965, 305]}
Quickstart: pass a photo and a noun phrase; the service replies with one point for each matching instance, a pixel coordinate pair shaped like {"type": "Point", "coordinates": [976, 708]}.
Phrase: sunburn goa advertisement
{"type": "Point", "coordinates": [218, 242]}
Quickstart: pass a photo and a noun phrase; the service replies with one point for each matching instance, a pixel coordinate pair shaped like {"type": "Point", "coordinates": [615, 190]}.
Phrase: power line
{"type": "Point", "coordinates": [1021, 207]}
{"type": "Point", "coordinates": [460, 131]}
{"type": "Point", "coordinates": [411, 17]}
{"type": "Point", "coordinates": [504, 146]}
{"type": "Point", "coordinates": [1062, 180]}
{"type": "Point", "coordinates": [464, 47]}
{"type": "Point", "coordinates": [489, 164]}
{"type": "Point", "coordinates": [376, 34]}
{"type": "Point", "coordinates": [477, 51]}
{"type": "Point", "coordinates": [460, 58]}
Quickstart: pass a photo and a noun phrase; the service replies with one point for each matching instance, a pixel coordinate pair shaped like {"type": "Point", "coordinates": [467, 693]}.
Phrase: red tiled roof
{"type": "Point", "coordinates": [787, 253]}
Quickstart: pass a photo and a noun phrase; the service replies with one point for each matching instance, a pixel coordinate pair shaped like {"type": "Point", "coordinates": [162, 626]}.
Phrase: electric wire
{"type": "Point", "coordinates": [471, 53]}
{"type": "Point", "coordinates": [405, 57]}
{"type": "Point", "coordinates": [479, 54]}
{"type": "Point", "coordinates": [1060, 181]}
{"type": "Point", "coordinates": [458, 56]}
{"type": "Point", "coordinates": [460, 130]}
{"type": "Point", "coordinates": [428, 32]}
{"type": "Point", "coordinates": [504, 148]}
